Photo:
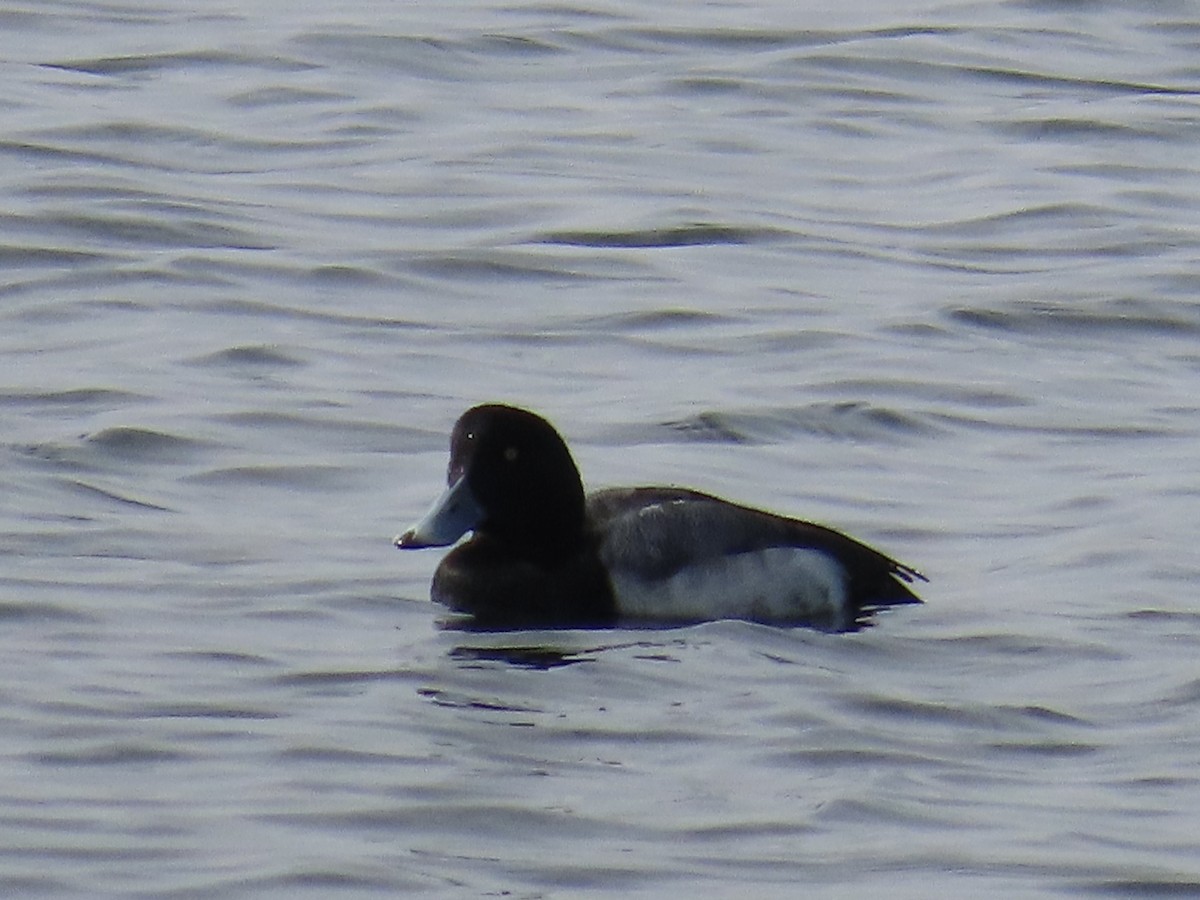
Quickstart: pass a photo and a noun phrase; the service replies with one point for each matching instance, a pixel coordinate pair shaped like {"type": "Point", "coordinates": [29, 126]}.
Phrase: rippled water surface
{"type": "Point", "coordinates": [926, 273]}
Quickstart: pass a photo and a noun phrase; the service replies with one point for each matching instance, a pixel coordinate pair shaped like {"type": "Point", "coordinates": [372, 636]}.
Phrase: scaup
{"type": "Point", "coordinates": [544, 554]}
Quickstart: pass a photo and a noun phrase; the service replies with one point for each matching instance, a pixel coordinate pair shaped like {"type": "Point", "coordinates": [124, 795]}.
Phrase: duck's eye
{"type": "Point", "coordinates": [510, 454]}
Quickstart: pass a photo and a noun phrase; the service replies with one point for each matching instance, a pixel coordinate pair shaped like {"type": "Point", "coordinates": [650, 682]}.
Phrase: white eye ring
{"type": "Point", "coordinates": [510, 454]}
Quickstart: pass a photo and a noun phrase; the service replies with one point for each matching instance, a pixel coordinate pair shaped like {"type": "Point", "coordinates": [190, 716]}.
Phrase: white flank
{"type": "Point", "coordinates": [779, 584]}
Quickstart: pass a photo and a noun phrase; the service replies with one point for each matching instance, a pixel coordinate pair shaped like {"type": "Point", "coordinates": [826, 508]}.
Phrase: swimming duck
{"type": "Point", "coordinates": [544, 554]}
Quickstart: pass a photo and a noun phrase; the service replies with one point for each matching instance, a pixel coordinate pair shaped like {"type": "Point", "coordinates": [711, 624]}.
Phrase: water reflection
{"type": "Point", "coordinates": [522, 657]}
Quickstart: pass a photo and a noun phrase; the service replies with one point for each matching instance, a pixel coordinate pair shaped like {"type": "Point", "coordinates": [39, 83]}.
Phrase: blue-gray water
{"type": "Point", "coordinates": [926, 273]}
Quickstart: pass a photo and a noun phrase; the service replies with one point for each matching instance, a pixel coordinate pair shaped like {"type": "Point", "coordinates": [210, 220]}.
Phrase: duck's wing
{"type": "Point", "coordinates": [656, 532]}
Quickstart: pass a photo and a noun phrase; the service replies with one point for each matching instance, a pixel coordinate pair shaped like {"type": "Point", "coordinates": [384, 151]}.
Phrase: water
{"type": "Point", "coordinates": [927, 274]}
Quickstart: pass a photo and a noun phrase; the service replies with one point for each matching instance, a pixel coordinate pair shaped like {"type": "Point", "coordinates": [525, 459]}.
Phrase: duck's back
{"type": "Point", "coordinates": [680, 555]}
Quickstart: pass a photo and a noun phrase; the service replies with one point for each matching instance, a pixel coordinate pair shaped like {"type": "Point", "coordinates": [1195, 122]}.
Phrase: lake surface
{"type": "Point", "coordinates": [926, 273]}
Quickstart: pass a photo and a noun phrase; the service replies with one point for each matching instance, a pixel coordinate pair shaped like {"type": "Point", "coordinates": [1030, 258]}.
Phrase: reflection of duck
{"type": "Point", "coordinates": [543, 554]}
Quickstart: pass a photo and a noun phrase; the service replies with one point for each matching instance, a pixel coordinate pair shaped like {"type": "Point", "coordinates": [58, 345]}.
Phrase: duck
{"type": "Point", "coordinates": [545, 554]}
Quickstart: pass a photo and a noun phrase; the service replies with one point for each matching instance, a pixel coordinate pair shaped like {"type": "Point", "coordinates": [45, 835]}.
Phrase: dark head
{"type": "Point", "coordinates": [510, 479]}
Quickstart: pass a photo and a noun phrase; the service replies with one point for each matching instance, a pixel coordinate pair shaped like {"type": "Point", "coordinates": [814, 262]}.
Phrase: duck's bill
{"type": "Point", "coordinates": [453, 514]}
